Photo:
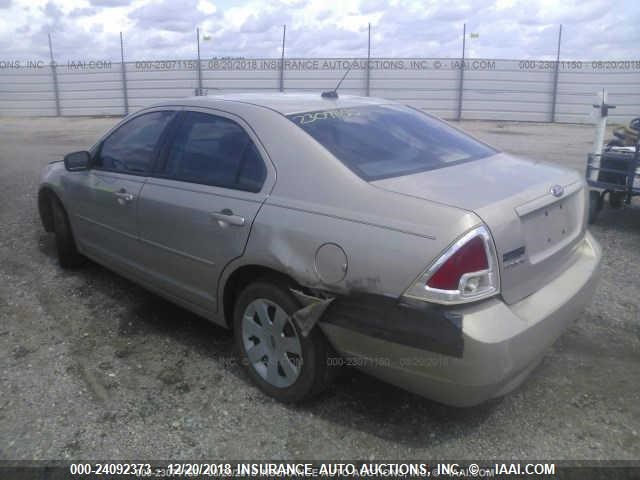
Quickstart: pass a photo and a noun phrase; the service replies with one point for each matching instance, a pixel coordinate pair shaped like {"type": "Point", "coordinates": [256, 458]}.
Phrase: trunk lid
{"type": "Point", "coordinates": [535, 231]}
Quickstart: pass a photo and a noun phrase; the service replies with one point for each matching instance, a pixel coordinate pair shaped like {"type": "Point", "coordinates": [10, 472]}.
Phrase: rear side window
{"type": "Point", "coordinates": [131, 148]}
{"type": "Point", "coordinates": [215, 151]}
{"type": "Point", "coordinates": [385, 141]}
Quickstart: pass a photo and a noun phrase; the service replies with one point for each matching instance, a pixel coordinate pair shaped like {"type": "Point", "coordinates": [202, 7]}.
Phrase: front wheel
{"type": "Point", "coordinates": [282, 362]}
{"type": "Point", "coordinates": [68, 255]}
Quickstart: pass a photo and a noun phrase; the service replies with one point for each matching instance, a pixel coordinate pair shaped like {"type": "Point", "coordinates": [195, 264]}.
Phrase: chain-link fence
{"type": "Point", "coordinates": [453, 88]}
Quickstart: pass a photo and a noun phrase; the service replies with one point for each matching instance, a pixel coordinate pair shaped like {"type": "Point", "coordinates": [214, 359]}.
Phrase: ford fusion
{"type": "Point", "coordinates": [330, 230]}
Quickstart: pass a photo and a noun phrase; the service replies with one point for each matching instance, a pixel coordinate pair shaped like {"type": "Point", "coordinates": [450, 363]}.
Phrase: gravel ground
{"type": "Point", "coordinates": [94, 367]}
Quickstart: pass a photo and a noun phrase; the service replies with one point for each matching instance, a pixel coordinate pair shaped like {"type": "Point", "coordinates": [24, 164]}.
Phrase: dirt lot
{"type": "Point", "coordinates": [95, 367]}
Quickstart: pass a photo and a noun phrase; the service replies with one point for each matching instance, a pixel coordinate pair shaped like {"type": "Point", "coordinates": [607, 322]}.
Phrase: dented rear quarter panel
{"type": "Point", "coordinates": [384, 255]}
{"type": "Point", "coordinates": [388, 238]}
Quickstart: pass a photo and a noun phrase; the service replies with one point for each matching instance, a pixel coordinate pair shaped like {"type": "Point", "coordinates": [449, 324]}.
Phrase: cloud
{"type": "Point", "coordinates": [263, 23]}
{"type": "Point", "coordinates": [155, 29]}
{"type": "Point", "coordinates": [110, 3]}
{"type": "Point", "coordinates": [83, 12]}
{"type": "Point", "coordinates": [168, 15]}
{"type": "Point", "coordinates": [52, 11]}
{"type": "Point", "coordinates": [371, 6]}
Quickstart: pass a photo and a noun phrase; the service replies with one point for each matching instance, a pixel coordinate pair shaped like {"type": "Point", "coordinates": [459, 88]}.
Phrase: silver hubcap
{"type": "Point", "coordinates": [271, 343]}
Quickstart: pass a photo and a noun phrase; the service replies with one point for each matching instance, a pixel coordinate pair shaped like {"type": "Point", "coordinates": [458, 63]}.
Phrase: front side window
{"type": "Point", "coordinates": [385, 141]}
{"type": "Point", "coordinates": [131, 147]}
{"type": "Point", "coordinates": [214, 151]}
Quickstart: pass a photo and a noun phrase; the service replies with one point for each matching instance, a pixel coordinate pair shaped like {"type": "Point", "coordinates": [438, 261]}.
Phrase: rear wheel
{"type": "Point", "coordinates": [283, 363]}
{"type": "Point", "coordinates": [68, 255]}
{"type": "Point", "coordinates": [595, 205]}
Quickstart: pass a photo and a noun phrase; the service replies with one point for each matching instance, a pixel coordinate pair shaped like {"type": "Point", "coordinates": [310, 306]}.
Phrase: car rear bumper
{"type": "Point", "coordinates": [498, 344]}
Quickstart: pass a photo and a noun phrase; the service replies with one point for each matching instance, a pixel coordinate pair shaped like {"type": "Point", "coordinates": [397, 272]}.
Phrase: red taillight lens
{"type": "Point", "coordinates": [466, 272]}
{"type": "Point", "coordinates": [471, 257]}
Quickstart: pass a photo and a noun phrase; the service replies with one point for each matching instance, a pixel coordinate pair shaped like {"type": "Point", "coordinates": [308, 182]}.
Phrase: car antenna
{"type": "Point", "coordinates": [334, 93]}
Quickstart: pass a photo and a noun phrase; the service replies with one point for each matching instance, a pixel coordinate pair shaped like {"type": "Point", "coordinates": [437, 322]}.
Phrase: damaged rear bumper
{"type": "Point", "coordinates": [466, 355]}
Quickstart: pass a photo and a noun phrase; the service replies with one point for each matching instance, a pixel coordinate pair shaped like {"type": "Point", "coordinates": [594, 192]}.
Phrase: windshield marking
{"type": "Point", "coordinates": [311, 117]}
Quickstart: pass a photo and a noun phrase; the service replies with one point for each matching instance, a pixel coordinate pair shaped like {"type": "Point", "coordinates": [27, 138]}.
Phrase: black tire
{"type": "Point", "coordinates": [315, 373]}
{"type": "Point", "coordinates": [616, 199]}
{"type": "Point", "coordinates": [616, 142]}
{"type": "Point", "coordinates": [595, 205]}
{"type": "Point", "coordinates": [68, 255]}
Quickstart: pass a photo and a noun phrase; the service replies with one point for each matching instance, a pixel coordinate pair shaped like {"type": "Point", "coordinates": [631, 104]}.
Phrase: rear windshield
{"type": "Point", "coordinates": [385, 141]}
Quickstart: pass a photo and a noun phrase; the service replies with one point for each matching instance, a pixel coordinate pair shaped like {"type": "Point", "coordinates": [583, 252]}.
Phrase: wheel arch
{"type": "Point", "coordinates": [242, 276]}
{"type": "Point", "coordinates": [46, 195]}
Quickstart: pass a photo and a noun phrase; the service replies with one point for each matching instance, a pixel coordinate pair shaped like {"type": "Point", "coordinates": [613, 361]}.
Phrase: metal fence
{"type": "Point", "coordinates": [463, 88]}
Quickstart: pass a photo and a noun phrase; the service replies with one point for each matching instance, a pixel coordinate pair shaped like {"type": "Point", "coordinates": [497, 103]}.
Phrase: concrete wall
{"type": "Point", "coordinates": [492, 89]}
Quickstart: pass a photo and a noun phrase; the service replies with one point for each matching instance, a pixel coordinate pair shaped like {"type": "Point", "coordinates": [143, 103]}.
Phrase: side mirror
{"type": "Point", "coordinates": [77, 161]}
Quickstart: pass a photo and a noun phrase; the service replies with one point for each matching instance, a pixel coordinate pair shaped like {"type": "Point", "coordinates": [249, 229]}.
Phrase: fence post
{"type": "Point", "coordinates": [461, 84]}
{"type": "Point", "coordinates": [123, 67]}
{"type": "Point", "coordinates": [284, 34]}
{"type": "Point", "coordinates": [55, 78]}
{"type": "Point", "coordinates": [556, 74]}
{"type": "Point", "coordinates": [199, 63]}
{"type": "Point", "coordinates": [369, 63]}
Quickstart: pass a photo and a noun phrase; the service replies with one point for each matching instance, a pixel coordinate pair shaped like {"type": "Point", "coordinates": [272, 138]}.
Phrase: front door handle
{"type": "Point", "coordinates": [226, 216]}
{"type": "Point", "coordinates": [123, 196]}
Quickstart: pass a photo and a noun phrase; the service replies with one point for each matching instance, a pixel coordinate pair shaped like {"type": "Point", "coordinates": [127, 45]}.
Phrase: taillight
{"type": "Point", "coordinates": [471, 257]}
{"type": "Point", "coordinates": [467, 271]}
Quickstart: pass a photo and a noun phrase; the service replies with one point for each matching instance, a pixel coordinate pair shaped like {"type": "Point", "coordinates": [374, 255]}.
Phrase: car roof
{"type": "Point", "coordinates": [284, 103]}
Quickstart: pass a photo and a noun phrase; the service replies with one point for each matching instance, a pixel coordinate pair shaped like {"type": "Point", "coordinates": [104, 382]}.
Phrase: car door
{"type": "Point", "coordinates": [196, 210]}
{"type": "Point", "coordinates": [104, 198]}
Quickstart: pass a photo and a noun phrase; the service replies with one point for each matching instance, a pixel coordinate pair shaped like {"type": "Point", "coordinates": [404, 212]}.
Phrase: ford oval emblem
{"type": "Point", "coordinates": [557, 190]}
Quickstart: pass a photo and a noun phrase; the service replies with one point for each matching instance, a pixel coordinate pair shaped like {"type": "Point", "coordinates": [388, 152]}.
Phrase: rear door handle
{"type": "Point", "coordinates": [226, 216]}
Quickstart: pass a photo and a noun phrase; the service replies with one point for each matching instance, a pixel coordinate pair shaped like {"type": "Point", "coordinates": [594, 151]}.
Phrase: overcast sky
{"type": "Point", "coordinates": [165, 29]}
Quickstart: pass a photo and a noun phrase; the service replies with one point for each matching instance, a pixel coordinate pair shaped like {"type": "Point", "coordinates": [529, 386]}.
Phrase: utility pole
{"type": "Point", "coordinates": [556, 75]}
{"type": "Point", "coordinates": [461, 84]}
{"type": "Point", "coordinates": [284, 35]}
{"type": "Point", "coordinates": [369, 63]}
{"type": "Point", "coordinates": [54, 73]}
{"type": "Point", "coordinates": [199, 63]}
{"type": "Point", "coordinates": [123, 67]}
